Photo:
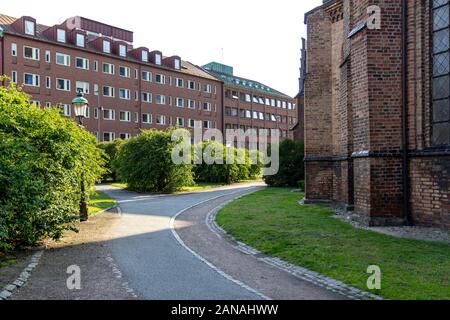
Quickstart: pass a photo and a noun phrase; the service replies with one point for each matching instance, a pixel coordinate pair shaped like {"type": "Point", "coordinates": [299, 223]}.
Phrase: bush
{"type": "Point", "coordinates": [223, 172]}
{"type": "Point", "coordinates": [111, 149]}
{"type": "Point", "coordinates": [291, 165]}
{"type": "Point", "coordinates": [42, 157]}
{"type": "Point", "coordinates": [145, 164]}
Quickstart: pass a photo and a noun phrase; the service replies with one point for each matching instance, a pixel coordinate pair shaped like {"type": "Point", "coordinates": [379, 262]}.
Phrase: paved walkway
{"type": "Point", "coordinates": [160, 247]}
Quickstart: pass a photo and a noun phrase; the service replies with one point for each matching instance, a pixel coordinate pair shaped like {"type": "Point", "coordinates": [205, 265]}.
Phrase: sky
{"type": "Point", "coordinates": [260, 38]}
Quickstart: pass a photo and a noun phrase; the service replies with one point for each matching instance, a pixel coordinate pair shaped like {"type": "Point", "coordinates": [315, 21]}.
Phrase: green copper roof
{"type": "Point", "coordinates": [225, 73]}
{"type": "Point", "coordinates": [1, 32]}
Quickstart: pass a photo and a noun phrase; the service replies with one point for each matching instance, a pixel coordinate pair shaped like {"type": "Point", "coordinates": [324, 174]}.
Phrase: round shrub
{"type": "Point", "coordinates": [291, 165]}
{"type": "Point", "coordinates": [145, 163]}
{"type": "Point", "coordinates": [42, 157]}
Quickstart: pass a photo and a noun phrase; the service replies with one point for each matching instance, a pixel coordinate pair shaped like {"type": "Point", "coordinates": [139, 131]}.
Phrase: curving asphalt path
{"type": "Point", "coordinates": [164, 247]}
{"type": "Point", "coordinates": [152, 259]}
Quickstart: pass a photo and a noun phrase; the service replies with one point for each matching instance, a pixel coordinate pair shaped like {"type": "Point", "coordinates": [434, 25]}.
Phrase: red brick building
{"type": "Point", "coordinates": [249, 104]}
{"type": "Point", "coordinates": [299, 128]}
{"type": "Point", "coordinates": [377, 111]}
{"type": "Point", "coordinates": [129, 89]}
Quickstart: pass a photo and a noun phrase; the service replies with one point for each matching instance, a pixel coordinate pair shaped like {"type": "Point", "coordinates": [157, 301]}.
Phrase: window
{"type": "Point", "coordinates": [124, 94]}
{"type": "Point", "coordinates": [125, 72]}
{"type": "Point", "coordinates": [146, 118]}
{"type": "Point", "coordinates": [160, 99]}
{"type": "Point", "coordinates": [161, 79]}
{"type": "Point", "coordinates": [14, 76]}
{"type": "Point", "coordinates": [61, 35]}
{"type": "Point", "coordinates": [180, 103]}
{"type": "Point", "coordinates": [80, 41]}
{"type": "Point", "coordinates": [30, 27]}
{"type": "Point", "coordinates": [95, 65]}
{"type": "Point", "coordinates": [207, 124]}
{"type": "Point", "coordinates": [248, 114]}
{"type": "Point", "coordinates": [36, 103]}
{"type": "Point", "coordinates": [441, 73]}
{"type": "Point", "coordinates": [83, 87]}
{"type": "Point", "coordinates": [106, 46]}
{"type": "Point", "coordinates": [136, 73]}
{"type": "Point", "coordinates": [63, 59]}
{"type": "Point", "coordinates": [47, 56]}
{"type": "Point", "coordinates": [278, 104]}
{"type": "Point", "coordinates": [48, 82]}
{"type": "Point", "coordinates": [191, 123]}
{"type": "Point", "coordinates": [191, 85]}
{"type": "Point", "coordinates": [108, 91]}
{"type": "Point", "coordinates": [66, 110]}
{"type": "Point", "coordinates": [125, 116]}
{"type": "Point", "coordinates": [31, 53]}
{"type": "Point", "coordinates": [255, 115]}
{"type": "Point", "coordinates": [179, 83]}
{"type": "Point", "coordinates": [177, 64]}
{"type": "Point", "coordinates": [191, 104]}
{"type": "Point", "coordinates": [96, 89]}
{"type": "Point", "coordinates": [31, 80]}
{"type": "Point", "coordinates": [158, 59]}
{"type": "Point", "coordinates": [62, 84]}
{"type": "Point", "coordinates": [145, 56]}
{"type": "Point", "coordinates": [82, 63]}
{"type": "Point", "coordinates": [161, 120]}
{"type": "Point", "coordinates": [207, 88]}
{"type": "Point", "coordinates": [108, 136]}
{"type": "Point", "coordinates": [248, 98]}
{"type": "Point", "coordinates": [273, 102]}
{"type": "Point", "coordinates": [14, 49]}
{"type": "Point", "coordinates": [267, 102]}
{"type": "Point", "coordinates": [146, 97]}
{"type": "Point", "coordinates": [146, 76]}
{"type": "Point", "coordinates": [284, 104]}
{"type": "Point", "coordinates": [180, 122]}
{"type": "Point", "coordinates": [125, 136]}
{"type": "Point", "coordinates": [207, 106]}
{"type": "Point", "coordinates": [122, 50]}
{"type": "Point", "coordinates": [261, 116]}
{"type": "Point", "coordinates": [108, 68]}
{"type": "Point", "coordinates": [109, 114]}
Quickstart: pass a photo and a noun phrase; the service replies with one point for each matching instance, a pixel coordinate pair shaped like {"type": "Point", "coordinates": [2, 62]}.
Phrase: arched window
{"type": "Point", "coordinates": [441, 72]}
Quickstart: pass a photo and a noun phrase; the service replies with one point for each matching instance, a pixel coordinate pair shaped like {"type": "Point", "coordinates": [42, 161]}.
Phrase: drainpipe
{"type": "Point", "coordinates": [2, 48]}
{"type": "Point", "coordinates": [405, 146]}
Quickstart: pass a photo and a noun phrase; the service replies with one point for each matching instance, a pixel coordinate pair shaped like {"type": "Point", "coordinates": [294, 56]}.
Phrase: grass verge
{"type": "Point", "coordinates": [273, 222]}
{"type": "Point", "coordinates": [100, 201]}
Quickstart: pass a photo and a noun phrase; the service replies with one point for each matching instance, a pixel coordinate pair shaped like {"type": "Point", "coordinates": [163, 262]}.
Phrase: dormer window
{"type": "Point", "coordinates": [61, 35]}
{"type": "Point", "coordinates": [80, 40]}
{"type": "Point", "coordinates": [158, 59]}
{"type": "Point", "coordinates": [145, 56]}
{"type": "Point", "coordinates": [106, 46]}
{"type": "Point", "coordinates": [30, 28]}
{"type": "Point", "coordinates": [177, 64]}
{"type": "Point", "coordinates": [122, 50]}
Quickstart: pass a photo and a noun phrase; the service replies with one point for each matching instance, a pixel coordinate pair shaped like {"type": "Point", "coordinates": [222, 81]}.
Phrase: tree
{"type": "Point", "coordinates": [145, 163]}
{"type": "Point", "coordinates": [291, 170]}
{"type": "Point", "coordinates": [111, 150]}
{"type": "Point", "coordinates": [42, 156]}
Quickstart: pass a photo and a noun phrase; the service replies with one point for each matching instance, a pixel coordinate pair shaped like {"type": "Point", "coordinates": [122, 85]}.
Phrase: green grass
{"type": "Point", "coordinates": [273, 222]}
{"type": "Point", "coordinates": [7, 263]}
{"type": "Point", "coordinates": [100, 201]}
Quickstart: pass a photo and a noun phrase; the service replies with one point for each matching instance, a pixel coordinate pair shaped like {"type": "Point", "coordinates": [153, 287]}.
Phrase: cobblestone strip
{"type": "Point", "coordinates": [23, 278]}
{"type": "Point", "coordinates": [299, 272]}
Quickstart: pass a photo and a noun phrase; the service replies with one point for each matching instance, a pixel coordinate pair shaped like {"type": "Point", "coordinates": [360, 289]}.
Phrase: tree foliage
{"type": "Point", "coordinates": [145, 163]}
{"type": "Point", "coordinates": [42, 156]}
{"type": "Point", "coordinates": [111, 150]}
{"type": "Point", "coordinates": [292, 169]}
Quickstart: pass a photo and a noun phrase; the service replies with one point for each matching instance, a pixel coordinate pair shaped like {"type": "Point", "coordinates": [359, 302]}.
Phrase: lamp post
{"type": "Point", "coordinates": [80, 104]}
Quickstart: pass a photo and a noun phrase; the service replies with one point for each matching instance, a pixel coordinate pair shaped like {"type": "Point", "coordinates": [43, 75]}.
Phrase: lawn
{"type": "Point", "coordinates": [272, 221]}
{"type": "Point", "coordinates": [100, 201]}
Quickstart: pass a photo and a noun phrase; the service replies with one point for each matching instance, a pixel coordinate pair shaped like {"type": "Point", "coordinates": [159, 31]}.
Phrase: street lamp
{"type": "Point", "coordinates": [80, 105]}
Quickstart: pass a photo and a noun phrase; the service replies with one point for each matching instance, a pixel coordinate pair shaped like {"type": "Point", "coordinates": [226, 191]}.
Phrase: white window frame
{"type": "Point", "coordinates": [127, 95]}
{"type": "Point", "coordinates": [127, 116]}
{"type": "Point", "coordinates": [106, 46]}
{"type": "Point", "coordinates": [111, 68]}
{"type": "Point", "coordinates": [181, 125]}
{"type": "Point", "coordinates": [14, 49]}
{"type": "Point", "coordinates": [111, 91]}
{"type": "Point", "coordinates": [30, 25]}
{"type": "Point", "coordinates": [162, 78]}
{"type": "Point", "coordinates": [127, 136]}
{"type": "Point", "coordinates": [161, 101]}
{"type": "Point", "coordinates": [66, 110]}
{"type": "Point", "coordinates": [179, 83]}
{"type": "Point", "coordinates": [79, 43]}
{"type": "Point", "coordinates": [61, 35]}
{"type": "Point", "coordinates": [149, 118]}
{"type": "Point", "coordinates": [190, 103]}
{"type": "Point", "coordinates": [85, 63]}
{"type": "Point", "coordinates": [179, 103]}
{"type": "Point", "coordinates": [162, 117]}
{"type": "Point", "coordinates": [85, 86]}
{"type": "Point", "coordinates": [148, 96]}
{"type": "Point", "coordinates": [48, 82]}
{"type": "Point", "coordinates": [35, 53]}
{"type": "Point", "coordinates": [144, 55]}
{"type": "Point", "coordinates": [158, 59]}
{"type": "Point", "coordinates": [127, 72]}
{"type": "Point", "coordinates": [208, 106]}
{"type": "Point", "coordinates": [122, 50]}
{"type": "Point", "coordinates": [111, 114]}
{"type": "Point", "coordinates": [36, 80]}
{"type": "Point", "coordinates": [177, 64]}
{"type": "Point", "coordinates": [207, 88]}
{"type": "Point", "coordinates": [65, 57]}
{"type": "Point", "coordinates": [14, 76]}
{"type": "Point", "coordinates": [191, 82]}
{"type": "Point", "coordinates": [67, 84]}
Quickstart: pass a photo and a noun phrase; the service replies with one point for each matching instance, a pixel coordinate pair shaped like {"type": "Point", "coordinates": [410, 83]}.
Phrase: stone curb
{"type": "Point", "coordinates": [23, 278]}
{"type": "Point", "coordinates": [297, 271]}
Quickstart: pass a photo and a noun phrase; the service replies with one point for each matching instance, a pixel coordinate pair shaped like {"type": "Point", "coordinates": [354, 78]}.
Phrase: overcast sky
{"type": "Point", "coordinates": [260, 38]}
